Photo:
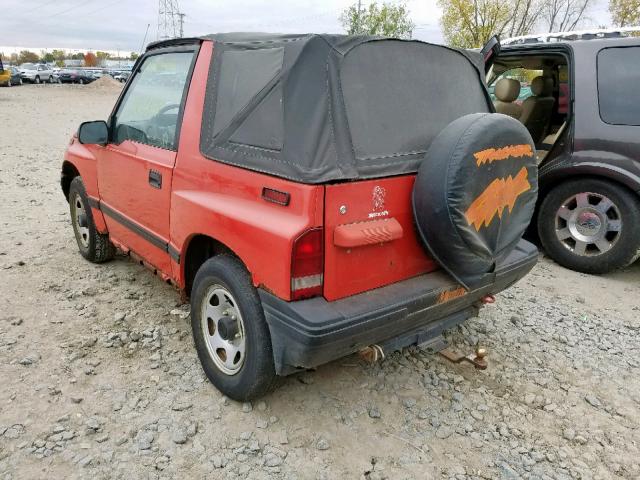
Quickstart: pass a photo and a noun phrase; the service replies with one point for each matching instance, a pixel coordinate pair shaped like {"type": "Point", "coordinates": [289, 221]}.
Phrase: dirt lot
{"type": "Point", "coordinates": [99, 378]}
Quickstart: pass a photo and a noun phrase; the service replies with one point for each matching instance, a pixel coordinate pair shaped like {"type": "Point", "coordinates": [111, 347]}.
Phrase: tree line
{"type": "Point", "coordinates": [471, 23]}
{"type": "Point", "coordinates": [58, 57]}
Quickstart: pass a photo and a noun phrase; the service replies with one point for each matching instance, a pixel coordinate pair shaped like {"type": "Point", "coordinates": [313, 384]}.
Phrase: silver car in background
{"type": "Point", "coordinates": [36, 73]}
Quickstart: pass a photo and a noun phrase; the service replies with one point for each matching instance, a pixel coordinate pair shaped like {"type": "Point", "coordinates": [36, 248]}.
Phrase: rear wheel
{"type": "Point", "coordinates": [93, 246]}
{"type": "Point", "coordinates": [50, 79]}
{"type": "Point", "coordinates": [229, 330]}
{"type": "Point", "coordinates": [590, 225]}
{"type": "Point", "coordinates": [81, 82]}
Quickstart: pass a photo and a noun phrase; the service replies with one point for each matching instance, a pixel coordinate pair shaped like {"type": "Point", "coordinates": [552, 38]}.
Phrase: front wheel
{"type": "Point", "coordinates": [81, 82]}
{"type": "Point", "coordinates": [229, 330]}
{"type": "Point", "coordinates": [590, 225]}
{"type": "Point", "coordinates": [37, 79]}
{"type": "Point", "coordinates": [93, 245]}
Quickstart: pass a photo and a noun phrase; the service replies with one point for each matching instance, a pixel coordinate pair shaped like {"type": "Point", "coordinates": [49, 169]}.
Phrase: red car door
{"type": "Point", "coordinates": [135, 168]}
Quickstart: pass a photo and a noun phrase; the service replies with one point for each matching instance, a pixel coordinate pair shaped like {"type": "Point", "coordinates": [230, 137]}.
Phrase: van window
{"type": "Point", "coordinates": [618, 92]}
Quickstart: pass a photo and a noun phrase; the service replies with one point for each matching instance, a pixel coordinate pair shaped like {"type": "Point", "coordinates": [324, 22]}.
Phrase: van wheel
{"type": "Point", "coordinates": [590, 225]}
{"type": "Point", "coordinates": [229, 330]}
{"type": "Point", "coordinates": [93, 246]}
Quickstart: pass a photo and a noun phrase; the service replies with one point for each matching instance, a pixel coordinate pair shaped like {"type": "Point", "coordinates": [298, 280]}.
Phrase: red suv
{"type": "Point", "coordinates": [313, 195]}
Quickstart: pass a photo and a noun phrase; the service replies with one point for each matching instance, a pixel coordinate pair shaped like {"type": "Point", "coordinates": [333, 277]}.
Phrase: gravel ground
{"type": "Point", "coordinates": [99, 377]}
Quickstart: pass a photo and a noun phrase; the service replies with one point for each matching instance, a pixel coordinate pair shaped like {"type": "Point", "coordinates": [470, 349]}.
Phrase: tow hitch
{"type": "Point", "coordinates": [376, 353]}
{"type": "Point", "coordinates": [478, 360]}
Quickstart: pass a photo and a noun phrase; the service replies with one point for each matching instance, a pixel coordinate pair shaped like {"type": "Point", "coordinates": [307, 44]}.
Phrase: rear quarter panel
{"type": "Point", "coordinates": [225, 202]}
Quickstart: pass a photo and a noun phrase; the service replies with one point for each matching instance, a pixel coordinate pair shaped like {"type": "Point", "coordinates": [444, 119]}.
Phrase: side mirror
{"type": "Point", "coordinates": [95, 132]}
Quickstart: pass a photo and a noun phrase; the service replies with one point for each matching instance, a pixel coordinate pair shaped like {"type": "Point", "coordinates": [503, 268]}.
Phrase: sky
{"type": "Point", "coordinates": [120, 25]}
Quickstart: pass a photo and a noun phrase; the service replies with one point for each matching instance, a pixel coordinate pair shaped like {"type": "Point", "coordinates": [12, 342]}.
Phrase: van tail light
{"type": "Point", "coordinates": [307, 265]}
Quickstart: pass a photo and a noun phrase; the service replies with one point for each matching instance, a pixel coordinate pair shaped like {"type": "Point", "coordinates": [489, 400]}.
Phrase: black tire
{"type": "Point", "coordinates": [624, 244]}
{"type": "Point", "coordinates": [256, 376]}
{"type": "Point", "coordinates": [96, 247]}
{"type": "Point", "coordinates": [37, 79]}
{"type": "Point", "coordinates": [81, 82]}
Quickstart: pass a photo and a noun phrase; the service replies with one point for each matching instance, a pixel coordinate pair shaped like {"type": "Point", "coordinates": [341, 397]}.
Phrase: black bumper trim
{"type": "Point", "coordinates": [150, 237]}
{"type": "Point", "coordinates": [311, 332]}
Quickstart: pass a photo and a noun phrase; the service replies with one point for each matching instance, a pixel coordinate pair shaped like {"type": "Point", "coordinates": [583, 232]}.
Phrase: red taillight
{"type": "Point", "coordinates": [307, 265]}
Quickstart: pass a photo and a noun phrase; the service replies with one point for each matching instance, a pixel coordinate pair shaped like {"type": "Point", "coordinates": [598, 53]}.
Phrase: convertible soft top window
{"type": "Point", "coordinates": [315, 108]}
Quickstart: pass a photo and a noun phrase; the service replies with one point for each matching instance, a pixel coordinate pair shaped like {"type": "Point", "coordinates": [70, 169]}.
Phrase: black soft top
{"type": "Point", "coordinates": [317, 108]}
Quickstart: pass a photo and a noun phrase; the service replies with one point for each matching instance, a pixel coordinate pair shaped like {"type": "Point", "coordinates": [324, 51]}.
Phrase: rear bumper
{"type": "Point", "coordinates": [312, 332]}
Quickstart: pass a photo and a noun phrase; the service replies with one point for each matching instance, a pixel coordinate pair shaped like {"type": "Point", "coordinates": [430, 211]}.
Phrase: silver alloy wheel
{"type": "Point", "coordinates": [588, 224]}
{"type": "Point", "coordinates": [80, 221]}
{"type": "Point", "coordinates": [223, 329]}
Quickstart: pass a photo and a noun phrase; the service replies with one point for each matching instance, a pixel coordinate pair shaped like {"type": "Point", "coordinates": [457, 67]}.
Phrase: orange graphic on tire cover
{"type": "Point", "coordinates": [496, 154]}
{"type": "Point", "coordinates": [500, 194]}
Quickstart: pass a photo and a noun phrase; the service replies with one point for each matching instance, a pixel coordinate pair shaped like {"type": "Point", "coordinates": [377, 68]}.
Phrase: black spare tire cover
{"type": "Point", "coordinates": [475, 194]}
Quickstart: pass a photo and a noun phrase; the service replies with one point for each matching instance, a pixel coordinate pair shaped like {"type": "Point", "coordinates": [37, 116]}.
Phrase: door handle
{"type": "Point", "coordinates": [155, 179]}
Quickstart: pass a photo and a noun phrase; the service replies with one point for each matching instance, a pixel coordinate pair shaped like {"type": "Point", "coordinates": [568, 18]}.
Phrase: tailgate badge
{"type": "Point", "coordinates": [378, 199]}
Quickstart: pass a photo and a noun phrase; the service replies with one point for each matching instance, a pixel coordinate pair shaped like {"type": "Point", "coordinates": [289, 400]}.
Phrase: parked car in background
{"type": "Point", "coordinates": [583, 112]}
{"type": "Point", "coordinates": [16, 77]}
{"type": "Point", "coordinates": [76, 76]}
{"type": "Point", "coordinates": [380, 235]}
{"type": "Point", "coordinates": [5, 75]}
{"type": "Point", "coordinates": [36, 73]}
{"type": "Point", "coordinates": [122, 76]}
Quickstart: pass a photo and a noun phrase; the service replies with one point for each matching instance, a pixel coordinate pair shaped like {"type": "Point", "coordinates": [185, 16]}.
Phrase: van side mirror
{"type": "Point", "coordinates": [96, 133]}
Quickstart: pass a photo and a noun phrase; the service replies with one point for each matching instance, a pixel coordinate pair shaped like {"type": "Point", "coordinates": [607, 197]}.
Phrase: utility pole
{"type": "Point", "coordinates": [181, 23]}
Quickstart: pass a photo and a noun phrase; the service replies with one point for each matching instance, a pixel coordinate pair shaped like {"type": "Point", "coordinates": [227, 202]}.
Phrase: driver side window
{"type": "Point", "coordinates": [151, 106]}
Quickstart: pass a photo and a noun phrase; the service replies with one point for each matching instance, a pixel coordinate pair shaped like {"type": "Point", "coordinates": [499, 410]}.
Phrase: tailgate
{"type": "Point", "coordinates": [370, 238]}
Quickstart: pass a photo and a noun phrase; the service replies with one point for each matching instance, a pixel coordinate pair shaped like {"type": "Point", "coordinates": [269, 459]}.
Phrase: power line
{"type": "Point", "coordinates": [74, 7]}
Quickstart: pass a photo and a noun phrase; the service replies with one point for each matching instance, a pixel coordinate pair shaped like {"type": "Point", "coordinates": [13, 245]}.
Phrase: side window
{"type": "Point", "coordinates": [523, 75]}
{"type": "Point", "coordinates": [618, 77]}
{"type": "Point", "coordinates": [243, 76]}
{"type": "Point", "coordinates": [151, 106]}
